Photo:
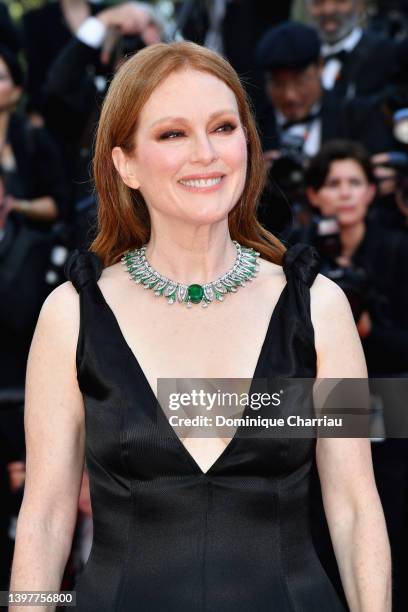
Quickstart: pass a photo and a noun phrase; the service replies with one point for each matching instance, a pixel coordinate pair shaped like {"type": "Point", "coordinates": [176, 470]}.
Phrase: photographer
{"type": "Point", "coordinates": [391, 172]}
{"type": "Point", "coordinates": [302, 114]}
{"type": "Point", "coordinates": [362, 257]}
{"type": "Point", "coordinates": [32, 198]}
{"type": "Point", "coordinates": [77, 83]}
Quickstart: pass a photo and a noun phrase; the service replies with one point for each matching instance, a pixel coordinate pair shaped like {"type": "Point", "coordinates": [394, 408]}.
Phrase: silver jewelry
{"type": "Point", "coordinates": [244, 269]}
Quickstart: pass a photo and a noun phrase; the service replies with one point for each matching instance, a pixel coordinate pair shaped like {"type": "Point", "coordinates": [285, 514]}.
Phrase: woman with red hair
{"type": "Point", "coordinates": [181, 522]}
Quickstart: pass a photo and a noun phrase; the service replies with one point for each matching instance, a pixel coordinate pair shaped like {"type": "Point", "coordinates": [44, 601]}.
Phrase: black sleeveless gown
{"type": "Point", "coordinates": [167, 536]}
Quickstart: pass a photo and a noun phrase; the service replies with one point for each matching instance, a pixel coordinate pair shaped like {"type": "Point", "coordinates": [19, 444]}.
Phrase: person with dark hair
{"type": "Point", "coordinates": [303, 114]}
{"type": "Point", "coordinates": [32, 198]}
{"type": "Point", "coordinates": [31, 164]}
{"type": "Point", "coordinates": [182, 522]}
{"type": "Point", "coordinates": [340, 183]}
{"type": "Point", "coordinates": [356, 62]}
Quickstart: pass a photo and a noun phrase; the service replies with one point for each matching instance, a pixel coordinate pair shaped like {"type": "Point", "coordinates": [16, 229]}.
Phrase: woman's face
{"type": "Point", "coordinates": [9, 93]}
{"type": "Point", "coordinates": [190, 157]}
{"type": "Point", "coordinates": [345, 194]}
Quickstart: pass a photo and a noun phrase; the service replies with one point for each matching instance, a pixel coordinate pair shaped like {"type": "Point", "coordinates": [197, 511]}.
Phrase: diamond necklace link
{"type": "Point", "coordinates": [244, 269]}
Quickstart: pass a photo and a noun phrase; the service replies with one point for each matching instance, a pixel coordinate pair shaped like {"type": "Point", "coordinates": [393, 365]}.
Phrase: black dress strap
{"type": "Point", "coordinates": [301, 262]}
{"type": "Point", "coordinates": [82, 267]}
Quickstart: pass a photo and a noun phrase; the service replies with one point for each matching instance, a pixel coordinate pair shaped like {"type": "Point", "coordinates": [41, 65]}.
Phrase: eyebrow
{"type": "Point", "coordinates": [212, 116]}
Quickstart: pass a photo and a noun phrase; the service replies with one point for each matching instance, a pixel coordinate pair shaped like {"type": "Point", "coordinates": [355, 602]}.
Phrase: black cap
{"type": "Point", "coordinates": [288, 45]}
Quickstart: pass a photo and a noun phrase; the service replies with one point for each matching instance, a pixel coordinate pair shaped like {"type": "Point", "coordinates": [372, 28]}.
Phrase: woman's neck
{"type": "Point", "coordinates": [191, 257]}
{"type": "Point", "coordinates": [351, 237]}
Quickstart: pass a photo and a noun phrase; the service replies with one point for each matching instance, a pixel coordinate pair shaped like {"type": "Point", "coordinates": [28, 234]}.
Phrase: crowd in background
{"type": "Point", "coordinates": [328, 82]}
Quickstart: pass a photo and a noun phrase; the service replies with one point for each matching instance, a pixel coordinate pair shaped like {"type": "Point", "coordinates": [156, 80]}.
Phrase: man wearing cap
{"type": "Point", "coordinates": [303, 113]}
{"type": "Point", "coordinates": [356, 62]}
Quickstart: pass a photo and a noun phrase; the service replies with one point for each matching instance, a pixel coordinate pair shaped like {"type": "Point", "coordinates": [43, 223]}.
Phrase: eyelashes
{"type": "Point", "coordinates": [172, 134]}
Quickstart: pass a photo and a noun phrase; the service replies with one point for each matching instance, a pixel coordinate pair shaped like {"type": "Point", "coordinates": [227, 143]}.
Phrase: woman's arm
{"type": "Point", "coordinates": [351, 502]}
{"type": "Point", "coordinates": [55, 433]}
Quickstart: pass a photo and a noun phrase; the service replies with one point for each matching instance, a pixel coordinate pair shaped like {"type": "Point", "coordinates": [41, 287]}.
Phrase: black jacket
{"type": "Point", "coordinates": [39, 164]}
{"type": "Point", "coordinates": [384, 253]}
{"type": "Point", "coordinates": [45, 33]}
{"type": "Point", "coordinates": [368, 68]}
{"type": "Point", "coordinates": [359, 119]}
{"type": "Point", "coordinates": [72, 104]}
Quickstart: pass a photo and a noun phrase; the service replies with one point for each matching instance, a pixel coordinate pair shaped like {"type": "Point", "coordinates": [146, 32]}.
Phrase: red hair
{"type": "Point", "coordinates": [123, 217]}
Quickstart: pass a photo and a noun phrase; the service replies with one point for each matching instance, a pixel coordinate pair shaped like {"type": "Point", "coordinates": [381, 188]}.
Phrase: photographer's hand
{"type": "Point", "coordinates": [129, 18]}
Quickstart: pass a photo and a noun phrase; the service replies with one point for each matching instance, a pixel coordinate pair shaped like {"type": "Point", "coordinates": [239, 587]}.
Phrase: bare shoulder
{"type": "Point", "coordinates": [328, 299]}
{"type": "Point", "coordinates": [58, 323]}
{"type": "Point", "coordinates": [338, 346]}
{"type": "Point", "coordinates": [61, 306]}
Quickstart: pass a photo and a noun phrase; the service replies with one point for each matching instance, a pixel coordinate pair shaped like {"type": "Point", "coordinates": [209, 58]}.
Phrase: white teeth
{"type": "Point", "coordinates": [202, 182]}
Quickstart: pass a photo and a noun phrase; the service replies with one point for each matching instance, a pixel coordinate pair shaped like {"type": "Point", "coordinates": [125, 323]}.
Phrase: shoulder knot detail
{"type": "Point", "coordinates": [81, 267]}
{"type": "Point", "coordinates": [301, 261]}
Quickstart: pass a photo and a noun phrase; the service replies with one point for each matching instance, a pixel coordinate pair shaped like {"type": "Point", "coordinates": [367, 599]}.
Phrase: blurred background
{"type": "Point", "coordinates": [328, 84]}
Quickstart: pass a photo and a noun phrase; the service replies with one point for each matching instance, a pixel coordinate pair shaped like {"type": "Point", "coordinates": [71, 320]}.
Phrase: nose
{"type": "Point", "coordinates": [344, 191]}
{"type": "Point", "coordinates": [291, 94]}
{"type": "Point", "coordinates": [203, 150]}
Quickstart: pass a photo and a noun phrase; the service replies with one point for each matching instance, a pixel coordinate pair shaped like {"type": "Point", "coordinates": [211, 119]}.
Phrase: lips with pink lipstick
{"type": "Point", "coordinates": [202, 183]}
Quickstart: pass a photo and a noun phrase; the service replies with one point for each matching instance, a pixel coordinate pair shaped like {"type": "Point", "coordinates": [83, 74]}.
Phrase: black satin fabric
{"type": "Point", "coordinates": [168, 537]}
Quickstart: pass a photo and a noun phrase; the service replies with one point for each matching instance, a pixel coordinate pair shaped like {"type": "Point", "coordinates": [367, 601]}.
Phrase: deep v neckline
{"type": "Point", "coordinates": [134, 360]}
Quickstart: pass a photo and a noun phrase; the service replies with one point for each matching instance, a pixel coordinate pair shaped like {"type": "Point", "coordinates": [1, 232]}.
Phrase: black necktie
{"type": "Point", "coordinates": [304, 121]}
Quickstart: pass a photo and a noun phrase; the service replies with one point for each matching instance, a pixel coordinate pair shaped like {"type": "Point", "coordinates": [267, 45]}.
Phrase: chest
{"type": "Point", "coordinates": [197, 343]}
{"type": "Point", "coordinates": [225, 342]}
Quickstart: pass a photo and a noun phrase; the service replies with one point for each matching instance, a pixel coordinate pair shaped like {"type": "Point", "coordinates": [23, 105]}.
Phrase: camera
{"type": "Point", "coordinates": [351, 279]}
{"type": "Point", "coordinates": [288, 170]}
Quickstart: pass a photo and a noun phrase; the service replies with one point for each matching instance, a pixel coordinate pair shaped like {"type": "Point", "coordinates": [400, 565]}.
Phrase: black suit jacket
{"type": "Point", "coordinates": [368, 68]}
{"type": "Point", "coordinates": [360, 120]}
{"type": "Point", "coordinates": [45, 33]}
{"type": "Point", "coordinates": [39, 165]}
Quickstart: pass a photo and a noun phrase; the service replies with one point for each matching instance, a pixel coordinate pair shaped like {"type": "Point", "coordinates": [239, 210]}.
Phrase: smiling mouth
{"type": "Point", "coordinates": [202, 182]}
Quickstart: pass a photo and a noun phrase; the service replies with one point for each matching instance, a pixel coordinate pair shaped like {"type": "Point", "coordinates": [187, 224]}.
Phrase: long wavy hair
{"type": "Point", "coordinates": [123, 220]}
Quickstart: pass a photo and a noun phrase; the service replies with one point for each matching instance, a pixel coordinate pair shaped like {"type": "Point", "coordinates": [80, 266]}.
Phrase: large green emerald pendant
{"type": "Point", "coordinates": [195, 293]}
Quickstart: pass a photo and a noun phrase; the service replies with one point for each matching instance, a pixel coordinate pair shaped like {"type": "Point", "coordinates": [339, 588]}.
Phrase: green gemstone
{"type": "Point", "coordinates": [195, 293]}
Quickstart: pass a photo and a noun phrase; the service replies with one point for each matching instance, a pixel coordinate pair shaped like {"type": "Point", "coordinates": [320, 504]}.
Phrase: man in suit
{"type": "Point", "coordinates": [356, 62]}
{"type": "Point", "coordinates": [233, 27]}
{"type": "Point", "coordinates": [302, 114]}
{"type": "Point", "coordinates": [76, 85]}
